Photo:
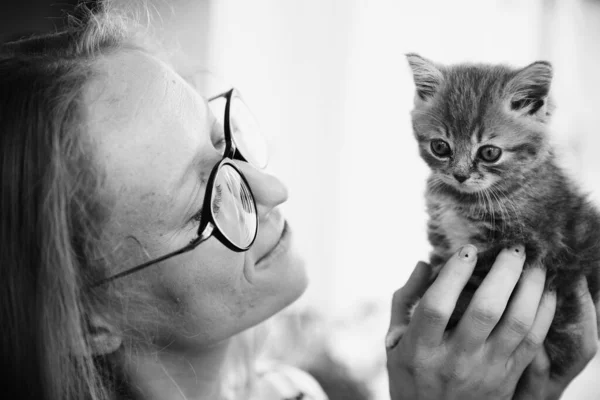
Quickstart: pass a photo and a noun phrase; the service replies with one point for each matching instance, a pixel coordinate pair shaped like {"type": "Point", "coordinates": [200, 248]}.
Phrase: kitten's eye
{"type": "Point", "coordinates": [490, 153]}
{"type": "Point", "coordinates": [440, 148]}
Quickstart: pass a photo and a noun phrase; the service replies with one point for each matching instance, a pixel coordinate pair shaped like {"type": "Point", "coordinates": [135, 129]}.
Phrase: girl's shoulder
{"type": "Point", "coordinates": [277, 381]}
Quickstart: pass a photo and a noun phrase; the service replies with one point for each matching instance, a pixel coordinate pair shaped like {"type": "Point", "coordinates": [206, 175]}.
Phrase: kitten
{"type": "Point", "coordinates": [494, 182]}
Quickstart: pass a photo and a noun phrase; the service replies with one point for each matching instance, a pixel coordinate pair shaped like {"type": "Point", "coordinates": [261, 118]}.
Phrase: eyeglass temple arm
{"type": "Point", "coordinates": [224, 94]}
{"type": "Point", "coordinates": [189, 247]}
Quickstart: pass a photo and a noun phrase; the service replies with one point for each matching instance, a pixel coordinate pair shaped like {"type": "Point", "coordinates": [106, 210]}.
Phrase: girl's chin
{"type": "Point", "coordinates": [282, 267]}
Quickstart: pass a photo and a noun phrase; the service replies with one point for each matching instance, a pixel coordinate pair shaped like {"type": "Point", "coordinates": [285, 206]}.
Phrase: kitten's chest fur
{"type": "Point", "coordinates": [450, 228]}
{"type": "Point", "coordinates": [558, 226]}
{"type": "Point", "coordinates": [485, 224]}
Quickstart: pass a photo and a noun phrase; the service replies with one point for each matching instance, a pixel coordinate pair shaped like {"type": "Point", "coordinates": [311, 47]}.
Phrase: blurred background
{"type": "Point", "coordinates": [329, 83]}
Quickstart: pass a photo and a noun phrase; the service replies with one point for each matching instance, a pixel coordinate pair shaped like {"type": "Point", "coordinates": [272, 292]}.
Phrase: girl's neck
{"type": "Point", "coordinates": [178, 375]}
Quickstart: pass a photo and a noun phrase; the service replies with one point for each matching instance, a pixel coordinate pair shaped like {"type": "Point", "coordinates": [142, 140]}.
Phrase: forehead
{"type": "Point", "coordinates": [134, 89]}
{"type": "Point", "coordinates": [147, 125]}
{"type": "Point", "coordinates": [468, 93]}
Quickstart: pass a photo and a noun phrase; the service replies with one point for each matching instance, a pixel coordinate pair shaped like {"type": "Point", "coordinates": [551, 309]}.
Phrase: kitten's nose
{"type": "Point", "coordinates": [460, 177]}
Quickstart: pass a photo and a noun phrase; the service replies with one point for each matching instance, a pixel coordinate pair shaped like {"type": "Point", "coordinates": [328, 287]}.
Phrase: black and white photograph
{"type": "Point", "coordinates": [300, 199]}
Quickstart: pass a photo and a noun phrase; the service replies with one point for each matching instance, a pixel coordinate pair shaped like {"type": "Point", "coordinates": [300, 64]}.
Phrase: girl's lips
{"type": "Point", "coordinates": [279, 247]}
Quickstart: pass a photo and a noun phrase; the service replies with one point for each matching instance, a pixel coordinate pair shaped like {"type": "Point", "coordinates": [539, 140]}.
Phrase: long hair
{"type": "Point", "coordinates": [51, 211]}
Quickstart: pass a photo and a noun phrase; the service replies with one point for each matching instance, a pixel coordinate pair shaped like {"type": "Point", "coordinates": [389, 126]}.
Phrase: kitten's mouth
{"type": "Point", "coordinates": [467, 186]}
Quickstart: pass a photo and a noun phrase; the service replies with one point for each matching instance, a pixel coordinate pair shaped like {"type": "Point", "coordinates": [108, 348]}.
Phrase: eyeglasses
{"type": "Point", "coordinates": [229, 211]}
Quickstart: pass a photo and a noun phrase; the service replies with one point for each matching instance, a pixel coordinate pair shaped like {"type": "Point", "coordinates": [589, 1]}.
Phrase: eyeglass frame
{"type": "Point", "coordinates": [208, 226]}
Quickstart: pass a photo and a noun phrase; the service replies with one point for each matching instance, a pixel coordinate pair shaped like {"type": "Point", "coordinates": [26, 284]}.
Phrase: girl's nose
{"type": "Point", "coordinates": [268, 190]}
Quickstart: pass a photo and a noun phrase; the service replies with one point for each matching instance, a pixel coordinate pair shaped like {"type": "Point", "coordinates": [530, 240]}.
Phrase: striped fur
{"type": "Point", "coordinates": [523, 197]}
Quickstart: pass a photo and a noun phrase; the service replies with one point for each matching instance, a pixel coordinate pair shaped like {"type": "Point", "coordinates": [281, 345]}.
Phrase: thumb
{"type": "Point", "coordinates": [405, 297]}
{"type": "Point", "coordinates": [586, 331]}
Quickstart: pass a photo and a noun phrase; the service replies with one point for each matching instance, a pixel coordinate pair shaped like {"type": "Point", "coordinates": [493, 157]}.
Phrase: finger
{"type": "Point", "coordinates": [585, 331]}
{"type": "Point", "coordinates": [403, 301]}
{"type": "Point", "coordinates": [520, 314]}
{"type": "Point", "coordinates": [588, 308]}
{"type": "Point", "coordinates": [435, 308]}
{"type": "Point", "coordinates": [490, 299]}
{"type": "Point", "coordinates": [534, 340]}
{"type": "Point", "coordinates": [535, 378]}
{"type": "Point", "coordinates": [588, 317]}
{"type": "Point", "coordinates": [405, 297]}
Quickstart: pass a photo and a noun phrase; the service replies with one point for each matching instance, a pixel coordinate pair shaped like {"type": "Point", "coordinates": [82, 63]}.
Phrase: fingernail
{"type": "Point", "coordinates": [518, 250]}
{"type": "Point", "coordinates": [468, 253]}
{"type": "Point", "coordinates": [394, 336]}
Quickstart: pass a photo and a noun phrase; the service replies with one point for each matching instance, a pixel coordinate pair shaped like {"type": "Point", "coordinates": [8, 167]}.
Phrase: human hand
{"type": "Point", "coordinates": [484, 356]}
{"type": "Point", "coordinates": [536, 382]}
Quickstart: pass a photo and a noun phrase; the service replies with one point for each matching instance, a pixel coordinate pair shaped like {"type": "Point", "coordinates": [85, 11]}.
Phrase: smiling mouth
{"type": "Point", "coordinates": [280, 246]}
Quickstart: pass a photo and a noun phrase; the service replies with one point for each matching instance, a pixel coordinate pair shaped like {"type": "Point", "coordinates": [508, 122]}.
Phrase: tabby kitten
{"type": "Point", "coordinates": [494, 182]}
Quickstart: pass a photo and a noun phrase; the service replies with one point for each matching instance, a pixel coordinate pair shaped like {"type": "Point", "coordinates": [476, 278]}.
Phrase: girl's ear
{"type": "Point", "coordinates": [103, 337]}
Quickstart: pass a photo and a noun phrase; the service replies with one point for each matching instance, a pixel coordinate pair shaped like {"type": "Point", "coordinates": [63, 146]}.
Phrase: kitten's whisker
{"type": "Point", "coordinates": [481, 201]}
{"type": "Point", "coordinates": [435, 185]}
{"type": "Point", "coordinates": [483, 204]}
{"type": "Point", "coordinates": [514, 206]}
{"type": "Point", "coordinates": [432, 189]}
{"type": "Point", "coordinates": [506, 217]}
{"type": "Point", "coordinates": [492, 211]}
{"type": "Point", "coordinates": [505, 201]}
{"type": "Point", "coordinates": [492, 198]}
{"type": "Point", "coordinates": [504, 214]}
{"type": "Point", "coordinates": [508, 202]}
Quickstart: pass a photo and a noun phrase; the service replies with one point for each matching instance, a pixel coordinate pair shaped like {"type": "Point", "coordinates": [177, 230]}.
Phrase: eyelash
{"type": "Point", "coordinates": [216, 205]}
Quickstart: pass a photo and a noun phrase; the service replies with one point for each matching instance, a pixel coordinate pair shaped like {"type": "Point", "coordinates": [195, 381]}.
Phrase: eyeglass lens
{"type": "Point", "coordinates": [247, 133]}
{"type": "Point", "coordinates": [232, 204]}
{"type": "Point", "coordinates": [233, 208]}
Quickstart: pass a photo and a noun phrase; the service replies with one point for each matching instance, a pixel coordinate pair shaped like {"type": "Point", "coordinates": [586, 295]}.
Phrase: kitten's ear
{"type": "Point", "coordinates": [527, 92]}
{"type": "Point", "coordinates": [426, 74]}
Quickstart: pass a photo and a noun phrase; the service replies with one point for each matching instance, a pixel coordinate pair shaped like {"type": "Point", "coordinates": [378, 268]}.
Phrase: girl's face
{"type": "Point", "coordinates": [155, 137]}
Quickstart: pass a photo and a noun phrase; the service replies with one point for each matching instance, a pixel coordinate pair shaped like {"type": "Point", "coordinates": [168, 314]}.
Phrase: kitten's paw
{"type": "Point", "coordinates": [393, 336]}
